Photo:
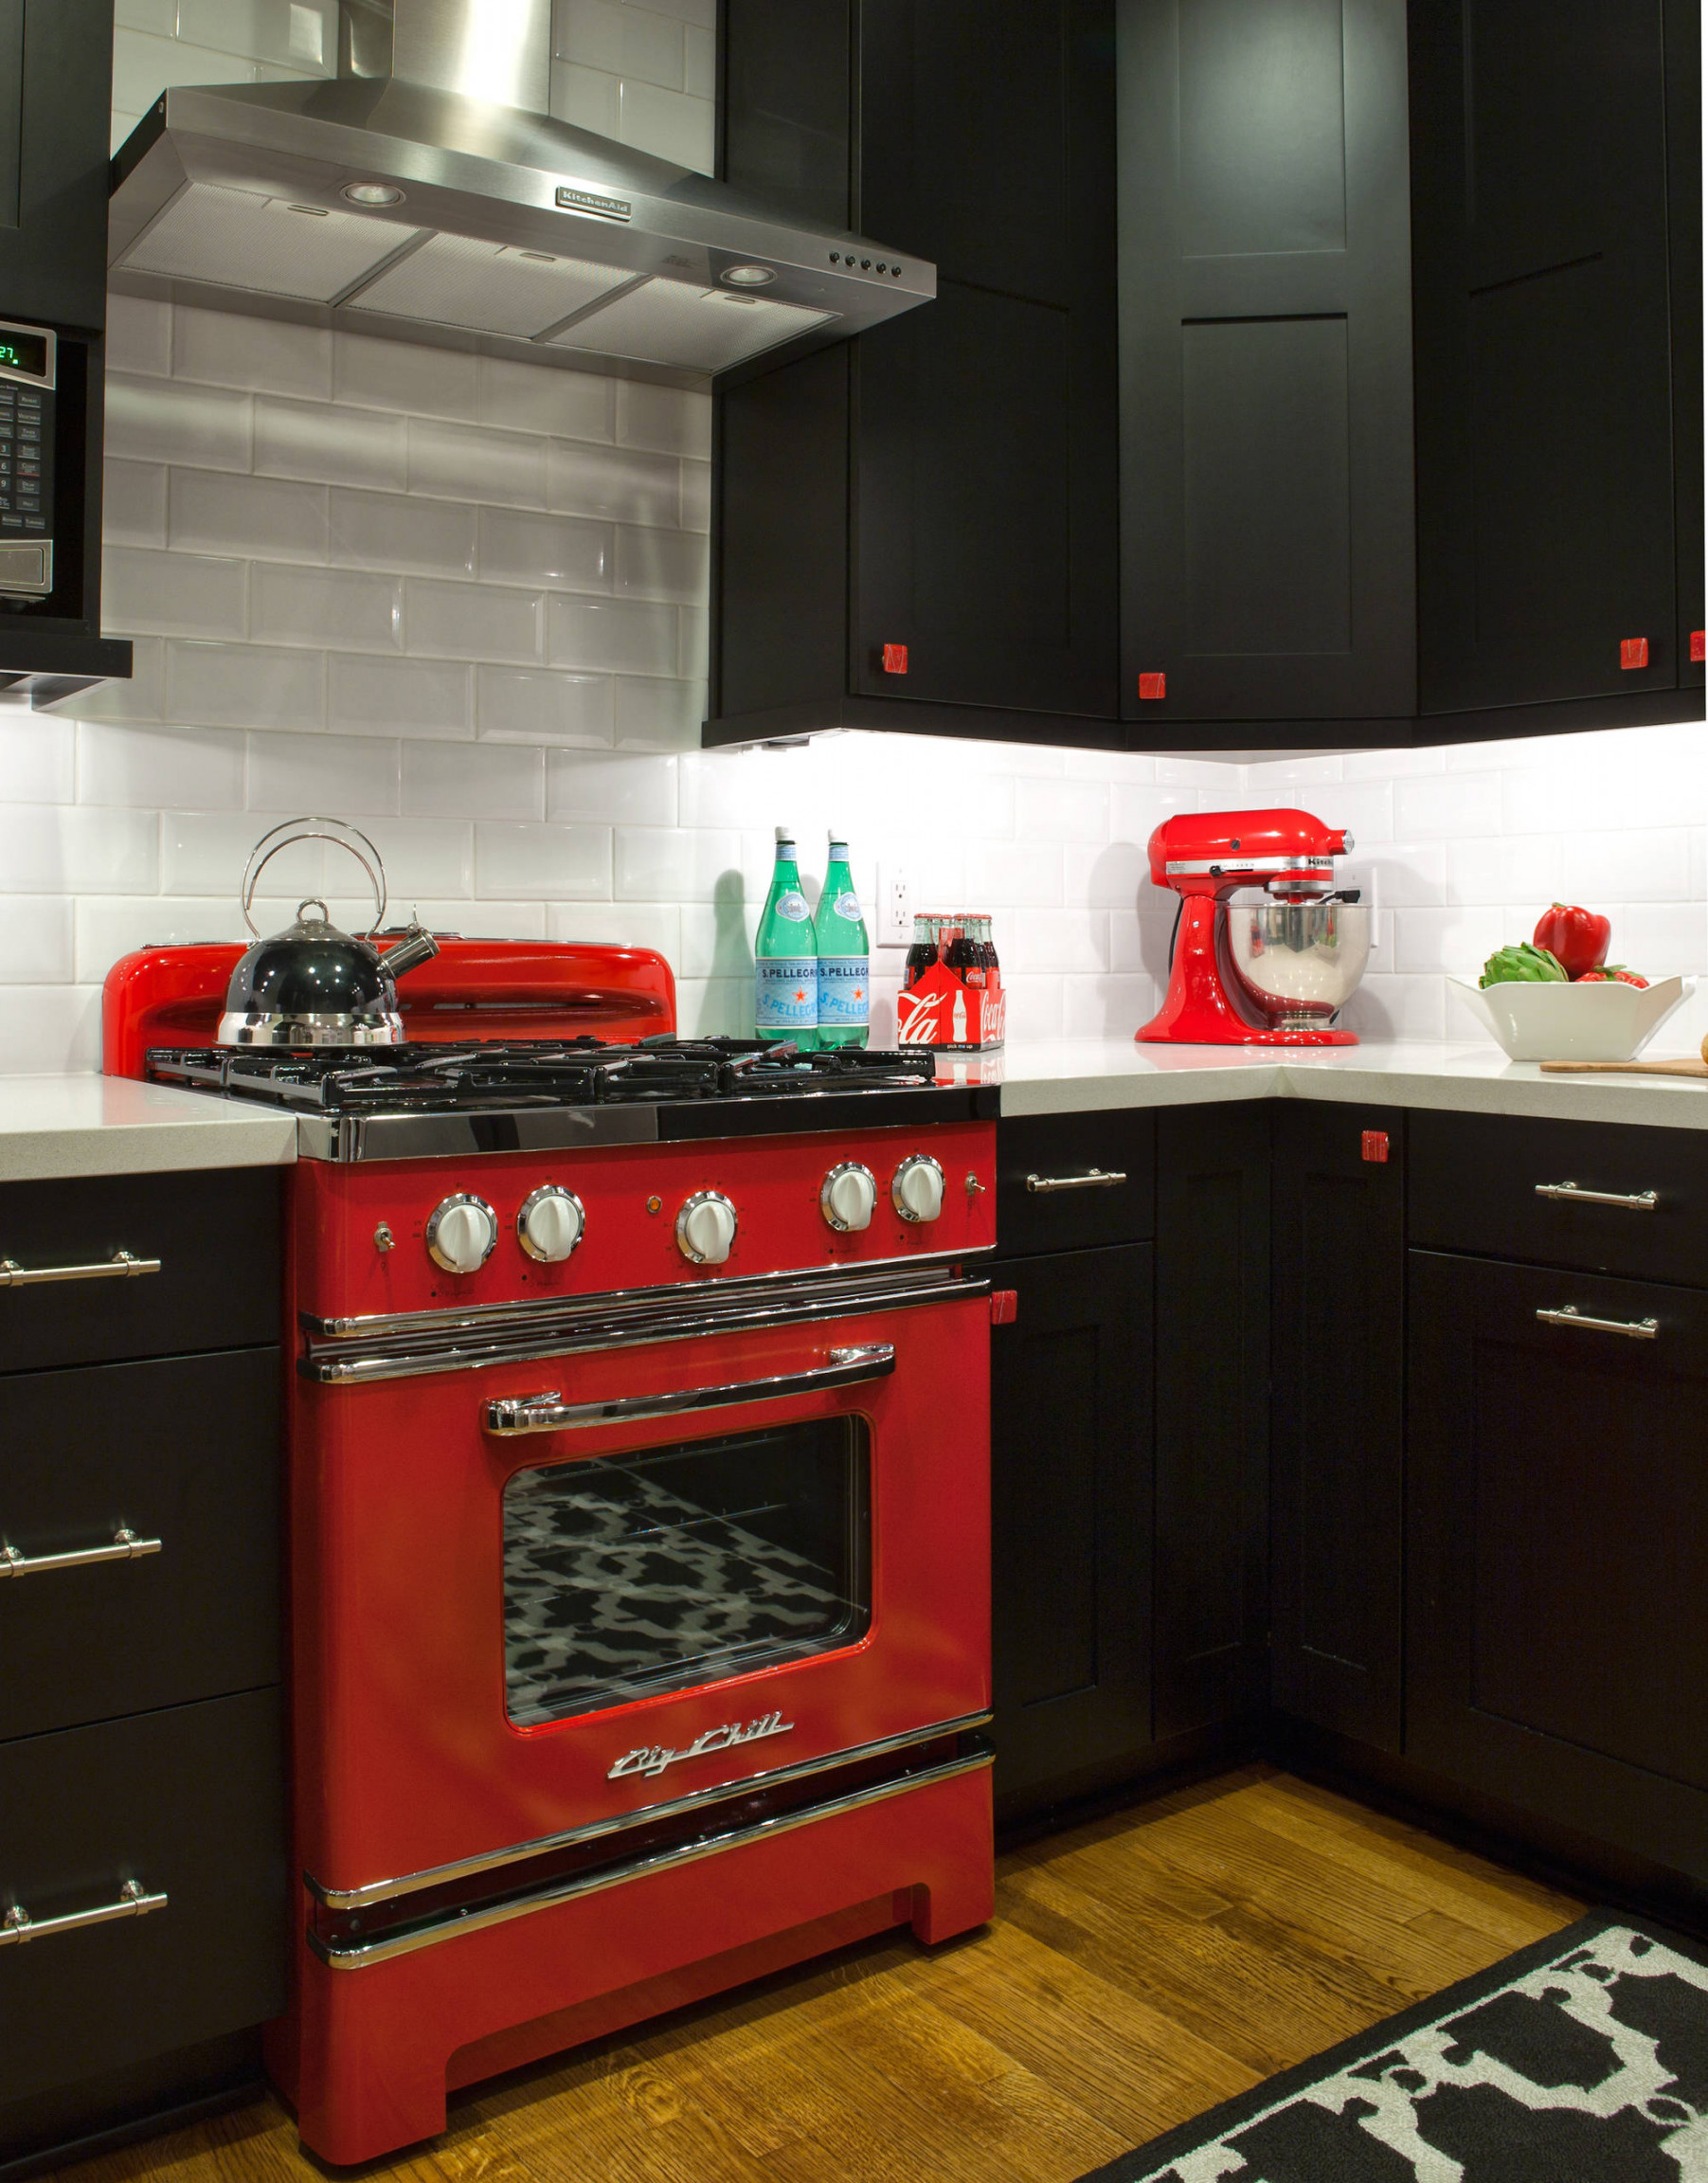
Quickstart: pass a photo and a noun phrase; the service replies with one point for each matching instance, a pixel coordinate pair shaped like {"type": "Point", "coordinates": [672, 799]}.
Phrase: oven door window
{"type": "Point", "coordinates": [629, 1575]}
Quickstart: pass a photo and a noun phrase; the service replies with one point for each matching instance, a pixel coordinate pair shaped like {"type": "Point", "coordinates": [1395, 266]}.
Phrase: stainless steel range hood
{"type": "Point", "coordinates": [425, 194]}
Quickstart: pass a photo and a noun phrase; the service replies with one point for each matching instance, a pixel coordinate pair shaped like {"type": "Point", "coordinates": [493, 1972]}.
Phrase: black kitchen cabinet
{"type": "Point", "coordinates": [1211, 1620]}
{"type": "Point", "coordinates": [1338, 1417]}
{"type": "Point", "coordinates": [1557, 1539]}
{"type": "Point", "coordinates": [945, 486]}
{"type": "Point", "coordinates": [1071, 1521]}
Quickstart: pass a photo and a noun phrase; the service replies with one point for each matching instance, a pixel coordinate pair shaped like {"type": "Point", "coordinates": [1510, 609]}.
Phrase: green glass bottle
{"type": "Point", "coordinates": [844, 958]}
{"type": "Point", "coordinates": [785, 967]}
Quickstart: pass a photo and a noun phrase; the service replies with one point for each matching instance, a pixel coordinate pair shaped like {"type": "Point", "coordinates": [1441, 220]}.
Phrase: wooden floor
{"type": "Point", "coordinates": [1139, 1970]}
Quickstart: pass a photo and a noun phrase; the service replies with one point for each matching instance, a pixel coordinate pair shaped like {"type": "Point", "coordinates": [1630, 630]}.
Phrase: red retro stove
{"type": "Point", "coordinates": [640, 1510]}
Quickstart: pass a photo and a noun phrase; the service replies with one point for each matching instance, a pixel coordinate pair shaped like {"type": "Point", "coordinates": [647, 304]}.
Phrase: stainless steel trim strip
{"type": "Point", "coordinates": [694, 1799]}
{"type": "Point", "coordinates": [1634, 1329]}
{"type": "Point", "coordinates": [1633, 1202]}
{"type": "Point", "coordinates": [570, 1333]}
{"type": "Point", "coordinates": [1188, 867]}
{"type": "Point", "coordinates": [349, 1138]}
{"type": "Point", "coordinates": [641, 1867]}
{"type": "Point", "coordinates": [1094, 1179]}
{"type": "Point", "coordinates": [126, 1546]}
{"type": "Point", "coordinates": [134, 1901]}
{"type": "Point", "coordinates": [122, 1266]}
{"type": "Point", "coordinates": [550, 1413]}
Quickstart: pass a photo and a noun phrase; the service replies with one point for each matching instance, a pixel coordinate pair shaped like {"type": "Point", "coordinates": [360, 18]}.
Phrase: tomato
{"type": "Point", "coordinates": [1612, 974]}
{"type": "Point", "coordinates": [1578, 937]}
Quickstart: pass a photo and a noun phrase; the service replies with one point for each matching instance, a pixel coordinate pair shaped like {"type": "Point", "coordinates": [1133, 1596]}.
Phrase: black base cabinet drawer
{"type": "Point", "coordinates": [216, 1236]}
{"type": "Point", "coordinates": [187, 1804]}
{"type": "Point", "coordinates": [182, 1450]}
{"type": "Point", "coordinates": [1557, 1548]}
{"type": "Point", "coordinates": [1495, 1186]}
{"type": "Point", "coordinates": [1069, 1181]}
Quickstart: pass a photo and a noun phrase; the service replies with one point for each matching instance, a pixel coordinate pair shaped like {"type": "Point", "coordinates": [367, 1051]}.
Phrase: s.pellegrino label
{"type": "Point", "coordinates": [785, 967]}
{"type": "Point", "coordinates": [844, 957]}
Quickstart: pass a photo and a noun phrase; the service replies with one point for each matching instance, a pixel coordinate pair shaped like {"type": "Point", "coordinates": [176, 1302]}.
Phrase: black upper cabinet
{"type": "Point", "coordinates": [946, 483]}
{"type": "Point", "coordinates": [1266, 355]}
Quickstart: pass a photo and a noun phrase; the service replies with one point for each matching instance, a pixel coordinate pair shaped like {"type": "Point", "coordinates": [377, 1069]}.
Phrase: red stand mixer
{"type": "Point", "coordinates": [1268, 973]}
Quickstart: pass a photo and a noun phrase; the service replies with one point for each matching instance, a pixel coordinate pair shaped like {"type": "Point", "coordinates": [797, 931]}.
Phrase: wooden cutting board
{"type": "Point", "coordinates": [1697, 1068]}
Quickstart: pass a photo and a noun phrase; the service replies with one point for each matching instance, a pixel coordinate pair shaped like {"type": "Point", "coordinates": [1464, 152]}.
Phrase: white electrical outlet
{"type": "Point", "coordinates": [894, 907]}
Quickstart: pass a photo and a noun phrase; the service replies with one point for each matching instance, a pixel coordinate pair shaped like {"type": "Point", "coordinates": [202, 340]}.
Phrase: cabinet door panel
{"type": "Point", "coordinates": [1558, 1543]}
{"type": "Point", "coordinates": [1266, 508]}
{"type": "Point", "coordinates": [1339, 1419]}
{"type": "Point", "coordinates": [1070, 1462]}
{"type": "Point", "coordinates": [1212, 1408]}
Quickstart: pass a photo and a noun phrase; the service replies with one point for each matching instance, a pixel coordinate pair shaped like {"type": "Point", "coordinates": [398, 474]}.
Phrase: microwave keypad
{"type": "Point", "coordinates": [26, 461]}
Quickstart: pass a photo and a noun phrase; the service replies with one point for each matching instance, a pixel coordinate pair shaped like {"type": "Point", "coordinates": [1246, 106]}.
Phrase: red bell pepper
{"type": "Point", "coordinates": [1578, 937]}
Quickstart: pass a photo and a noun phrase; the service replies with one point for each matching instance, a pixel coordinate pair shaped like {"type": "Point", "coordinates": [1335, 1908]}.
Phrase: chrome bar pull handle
{"type": "Point", "coordinates": [548, 1413]}
{"type": "Point", "coordinates": [1570, 1194]}
{"type": "Point", "coordinates": [126, 1546]}
{"type": "Point", "coordinates": [1633, 1329]}
{"type": "Point", "coordinates": [122, 1266]}
{"type": "Point", "coordinates": [1094, 1179]}
{"type": "Point", "coordinates": [134, 1901]}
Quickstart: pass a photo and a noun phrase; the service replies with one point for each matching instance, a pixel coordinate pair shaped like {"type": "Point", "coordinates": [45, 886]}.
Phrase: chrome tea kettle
{"type": "Point", "coordinates": [312, 984]}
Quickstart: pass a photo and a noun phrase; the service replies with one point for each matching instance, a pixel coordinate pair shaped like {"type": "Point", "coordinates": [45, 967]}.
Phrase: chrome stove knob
{"type": "Point", "coordinates": [849, 1196]}
{"type": "Point", "coordinates": [461, 1233]}
{"type": "Point", "coordinates": [706, 1228]}
{"type": "Point", "coordinates": [916, 1187]}
{"type": "Point", "coordinates": [550, 1223]}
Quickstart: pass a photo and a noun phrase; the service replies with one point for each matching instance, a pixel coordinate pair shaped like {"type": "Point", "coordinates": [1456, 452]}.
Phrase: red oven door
{"type": "Point", "coordinates": [536, 1596]}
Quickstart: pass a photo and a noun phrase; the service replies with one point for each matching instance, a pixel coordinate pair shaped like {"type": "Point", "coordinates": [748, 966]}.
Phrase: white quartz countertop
{"type": "Point", "coordinates": [56, 1126]}
{"type": "Point", "coordinates": [1085, 1075]}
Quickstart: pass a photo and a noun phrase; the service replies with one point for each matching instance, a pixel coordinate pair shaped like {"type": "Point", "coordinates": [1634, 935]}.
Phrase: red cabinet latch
{"type": "Point", "coordinates": [1004, 1307]}
{"type": "Point", "coordinates": [1152, 686]}
{"type": "Point", "coordinates": [1375, 1145]}
{"type": "Point", "coordinates": [1634, 652]}
{"type": "Point", "coordinates": [895, 659]}
{"type": "Point", "coordinates": [1698, 643]}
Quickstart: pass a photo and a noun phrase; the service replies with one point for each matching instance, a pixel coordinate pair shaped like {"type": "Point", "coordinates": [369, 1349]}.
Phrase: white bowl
{"type": "Point", "coordinates": [1596, 1023]}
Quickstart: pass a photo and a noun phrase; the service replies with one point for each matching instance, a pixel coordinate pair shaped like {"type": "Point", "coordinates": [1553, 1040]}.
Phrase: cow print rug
{"type": "Point", "coordinates": [1583, 2059]}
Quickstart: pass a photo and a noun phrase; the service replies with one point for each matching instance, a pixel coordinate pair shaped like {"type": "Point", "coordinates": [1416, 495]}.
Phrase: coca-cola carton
{"type": "Point", "coordinates": [953, 998]}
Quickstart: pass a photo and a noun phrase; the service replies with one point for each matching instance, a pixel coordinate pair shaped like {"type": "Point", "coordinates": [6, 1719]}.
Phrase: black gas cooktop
{"type": "Point", "coordinates": [508, 1090]}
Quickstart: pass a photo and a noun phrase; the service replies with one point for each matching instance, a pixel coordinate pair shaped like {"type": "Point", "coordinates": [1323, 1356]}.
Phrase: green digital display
{"type": "Point", "coordinates": [23, 353]}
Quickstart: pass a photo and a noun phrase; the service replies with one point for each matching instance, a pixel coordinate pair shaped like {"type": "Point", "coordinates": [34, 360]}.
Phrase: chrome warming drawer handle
{"type": "Point", "coordinates": [1632, 1201]}
{"type": "Point", "coordinates": [548, 1413]}
{"type": "Point", "coordinates": [120, 1267]}
{"type": "Point", "coordinates": [126, 1546]}
{"type": "Point", "coordinates": [1633, 1329]}
{"type": "Point", "coordinates": [1094, 1179]}
{"type": "Point", "coordinates": [134, 1901]}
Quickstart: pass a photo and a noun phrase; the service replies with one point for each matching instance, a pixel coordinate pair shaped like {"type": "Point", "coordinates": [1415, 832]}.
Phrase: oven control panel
{"type": "Point", "coordinates": [420, 1235]}
{"type": "Point", "coordinates": [29, 377]}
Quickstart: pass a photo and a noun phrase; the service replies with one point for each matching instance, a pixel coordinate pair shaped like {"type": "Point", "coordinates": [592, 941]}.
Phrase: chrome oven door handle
{"type": "Point", "coordinates": [548, 1414]}
{"type": "Point", "coordinates": [1627, 1201]}
{"type": "Point", "coordinates": [134, 1901]}
{"type": "Point", "coordinates": [1094, 1179]}
{"type": "Point", "coordinates": [126, 1546]}
{"type": "Point", "coordinates": [120, 1267]}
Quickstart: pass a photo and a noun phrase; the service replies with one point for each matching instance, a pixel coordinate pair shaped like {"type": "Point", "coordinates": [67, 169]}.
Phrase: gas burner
{"type": "Point", "coordinates": [510, 1076]}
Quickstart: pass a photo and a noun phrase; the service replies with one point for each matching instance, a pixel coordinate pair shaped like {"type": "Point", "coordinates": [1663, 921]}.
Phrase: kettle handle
{"type": "Point", "coordinates": [340, 833]}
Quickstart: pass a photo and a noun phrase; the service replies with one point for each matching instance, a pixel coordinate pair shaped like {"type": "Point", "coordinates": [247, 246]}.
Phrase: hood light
{"type": "Point", "coordinates": [747, 276]}
{"type": "Point", "coordinates": [372, 193]}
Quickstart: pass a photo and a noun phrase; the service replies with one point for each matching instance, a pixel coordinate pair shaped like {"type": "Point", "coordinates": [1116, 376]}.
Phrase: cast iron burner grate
{"type": "Point", "coordinates": [480, 1074]}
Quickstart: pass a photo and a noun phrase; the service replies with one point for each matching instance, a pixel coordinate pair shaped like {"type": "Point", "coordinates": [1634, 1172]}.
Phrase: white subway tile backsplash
{"type": "Point", "coordinates": [694, 643]}
{"type": "Point", "coordinates": [1060, 940]}
{"type": "Point", "coordinates": [166, 421]}
{"type": "Point", "coordinates": [546, 863]}
{"type": "Point", "coordinates": [379, 696]}
{"type": "Point", "coordinates": [655, 925]}
{"type": "Point", "coordinates": [171, 594]}
{"type": "Point", "coordinates": [670, 124]}
{"type": "Point", "coordinates": [1453, 805]}
{"type": "Point", "coordinates": [139, 334]}
{"type": "Point", "coordinates": [672, 419]}
{"type": "Point", "coordinates": [611, 636]}
{"type": "Point", "coordinates": [109, 926]}
{"type": "Point", "coordinates": [160, 769]}
{"type": "Point", "coordinates": [560, 552]}
{"type": "Point", "coordinates": [351, 776]}
{"type": "Point", "coordinates": [395, 530]}
{"type": "Point", "coordinates": [1108, 1007]}
{"type": "Point", "coordinates": [213, 512]}
{"type": "Point", "coordinates": [38, 757]}
{"type": "Point", "coordinates": [137, 699]}
{"type": "Point", "coordinates": [1136, 810]}
{"type": "Point", "coordinates": [625, 40]}
{"type": "Point", "coordinates": [267, 355]}
{"type": "Point", "coordinates": [1661, 939]}
{"type": "Point", "coordinates": [1030, 877]}
{"type": "Point", "coordinates": [302, 35]}
{"type": "Point", "coordinates": [477, 462]}
{"type": "Point", "coordinates": [1455, 942]}
{"type": "Point", "coordinates": [1400, 1007]}
{"type": "Point", "coordinates": [77, 849]}
{"type": "Point", "coordinates": [628, 791]}
{"type": "Point", "coordinates": [716, 937]}
{"type": "Point", "coordinates": [323, 607]}
{"type": "Point", "coordinates": [586, 98]}
{"type": "Point", "coordinates": [562, 401]}
{"type": "Point", "coordinates": [47, 1030]}
{"type": "Point", "coordinates": [626, 484]}
{"type": "Point", "coordinates": [653, 564]}
{"type": "Point", "coordinates": [1650, 866]}
{"type": "Point", "coordinates": [1506, 868]}
{"type": "Point", "coordinates": [36, 941]}
{"type": "Point", "coordinates": [399, 375]}
{"type": "Point", "coordinates": [697, 496]}
{"type": "Point", "coordinates": [677, 864]}
{"type": "Point", "coordinates": [321, 441]}
{"type": "Point", "coordinates": [529, 705]}
{"type": "Point", "coordinates": [205, 853]}
{"type": "Point", "coordinates": [1063, 811]}
{"type": "Point", "coordinates": [653, 714]}
{"type": "Point", "coordinates": [424, 856]}
{"type": "Point", "coordinates": [132, 509]}
{"type": "Point", "coordinates": [470, 781]}
{"type": "Point", "coordinates": [471, 622]}
{"type": "Point", "coordinates": [701, 65]}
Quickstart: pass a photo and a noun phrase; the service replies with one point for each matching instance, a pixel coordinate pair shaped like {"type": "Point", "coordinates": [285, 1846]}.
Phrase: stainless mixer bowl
{"type": "Point", "coordinates": [1298, 962]}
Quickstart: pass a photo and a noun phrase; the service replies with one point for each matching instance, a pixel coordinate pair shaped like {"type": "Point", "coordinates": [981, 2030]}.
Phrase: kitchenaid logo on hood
{"type": "Point", "coordinates": [590, 201]}
{"type": "Point", "coordinates": [654, 1758]}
